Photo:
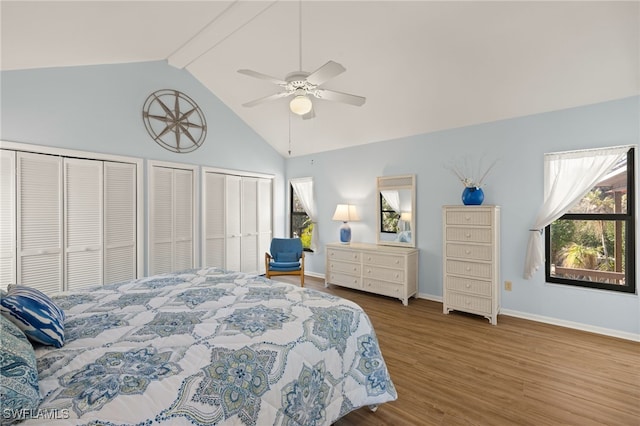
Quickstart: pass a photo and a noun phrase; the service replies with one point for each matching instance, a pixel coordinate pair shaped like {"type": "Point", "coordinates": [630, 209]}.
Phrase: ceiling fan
{"type": "Point", "coordinates": [302, 85]}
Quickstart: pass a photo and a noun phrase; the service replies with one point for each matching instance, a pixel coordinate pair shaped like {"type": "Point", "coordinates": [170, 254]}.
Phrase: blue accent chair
{"type": "Point", "coordinates": [286, 257]}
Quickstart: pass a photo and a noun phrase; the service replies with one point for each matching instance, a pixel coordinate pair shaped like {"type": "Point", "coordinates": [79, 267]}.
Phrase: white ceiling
{"type": "Point", "coordinates": [423, 66]}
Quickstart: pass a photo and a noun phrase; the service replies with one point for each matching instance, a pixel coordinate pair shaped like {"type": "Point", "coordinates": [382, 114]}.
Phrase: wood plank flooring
{"type": "Point", "coordinates": [457, 369]}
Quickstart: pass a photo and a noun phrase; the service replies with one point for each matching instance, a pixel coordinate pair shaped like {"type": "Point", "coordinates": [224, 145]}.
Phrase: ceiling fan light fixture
{"type": "Point", "coordinates": [300, 105]}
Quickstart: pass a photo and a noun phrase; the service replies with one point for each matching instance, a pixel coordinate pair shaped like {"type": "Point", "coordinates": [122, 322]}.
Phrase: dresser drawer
{"type": "Point", "coordinates": [470, 269]}
{"type": "Point", "coordinates": [345, 267]}
{"type": "Point", "coordinates": [345, 280]}
{"type": "Point", "coordinates": [466, 285]}
{"type": "Point", "coordinates": [383, 274]}
{"type": "Point", "coordinates": [383, 287]}
{"type": "Point", "coordinates": [344, 255]}
{"type": "Point", "coordinates": [462, 217]}
{"type": "Point", "coordinates": [469, 303]}
{"type": "Point", "coordinates": [475, 252]}
{"type": "Point", "coordinates": [383, 260]}
{"type": "Point", "coordinates": [470, 235]}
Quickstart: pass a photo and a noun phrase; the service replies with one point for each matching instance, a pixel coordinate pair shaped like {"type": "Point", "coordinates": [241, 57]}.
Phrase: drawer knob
{"type": "Point", "coordinates": [468, 286]}
{"type": "Point", "coordinates": [468, 268]}
{"type": "Point", "coordinates": [397, 275]}
{"type": "Point", "coordinates": [468, 302]}
{"type": "Point", "coordinates": [467, 218]}
{"type": "Point", "coordinates": [467, 251]}
{"type": "Point", "coordinates": [397, 261]}
{"type": "Point", "coordinates": [467, 235]}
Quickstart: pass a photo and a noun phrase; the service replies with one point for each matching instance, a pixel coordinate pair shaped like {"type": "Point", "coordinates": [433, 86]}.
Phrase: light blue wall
{"type": "Point", "coordinates": [99, 109]}
{"type": "Point", "coordinates": [516, 184]}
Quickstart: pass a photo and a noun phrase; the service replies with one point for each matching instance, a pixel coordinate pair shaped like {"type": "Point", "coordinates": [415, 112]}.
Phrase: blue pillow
{"type": "Point", "coordinates": [34, 313]}
{"type": "Point", "coordinates": [286, 257]}
{"type": "Point", "coordinates": [18, 374]}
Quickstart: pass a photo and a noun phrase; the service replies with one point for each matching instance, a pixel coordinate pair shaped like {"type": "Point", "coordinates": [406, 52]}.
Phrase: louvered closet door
{"type": "Point", "coordinates": [7, 218]}
{"type": "Point", "coordinates": [39, 221]}
{"type": "Point", "coordinates": [171, 220]}
{"type": "Point", "coordinates": [264, 220]}
{"type": "Point", "coordinates": [249, 225]}
{"type": "Point", "coordinates": [183, 219]}
{"type": "Point", "coordinates": [83, 222]}
{"type": "Point", "coordinates": [234, 235]}
{"type": "Point", "coordinates": [214, 227]}
{"type": "Point", "coordinates": [161, 216]}
{"type": "Point", "coordinates": [119, 222]}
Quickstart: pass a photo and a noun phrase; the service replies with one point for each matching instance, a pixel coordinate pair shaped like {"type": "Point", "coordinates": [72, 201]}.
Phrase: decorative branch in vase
{"type": "Point", "coordinates": [472, 195]}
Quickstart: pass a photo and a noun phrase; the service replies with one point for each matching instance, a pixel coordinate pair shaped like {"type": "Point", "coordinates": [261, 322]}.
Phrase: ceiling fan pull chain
{"type": "Point", "coordinates": [300, 33]}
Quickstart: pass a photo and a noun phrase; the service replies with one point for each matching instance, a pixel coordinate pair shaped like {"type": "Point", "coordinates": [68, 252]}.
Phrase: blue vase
{"type": "Point", "coordinates": [345, 233]}
{"type": "Point", "coordinates": [472, 196]}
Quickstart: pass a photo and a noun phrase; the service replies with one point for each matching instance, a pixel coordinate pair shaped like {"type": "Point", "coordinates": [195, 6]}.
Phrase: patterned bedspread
{"type": "Point", "coordinates": [210, 347]}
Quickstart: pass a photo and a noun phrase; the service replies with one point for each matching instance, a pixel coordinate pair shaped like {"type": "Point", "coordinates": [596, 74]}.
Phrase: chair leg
{"type": "Point", "coordinates": [301, 280]}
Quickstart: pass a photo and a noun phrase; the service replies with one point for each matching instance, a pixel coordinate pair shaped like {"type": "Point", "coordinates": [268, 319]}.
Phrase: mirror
{"type": "Point", "coordinates": [396, 205]}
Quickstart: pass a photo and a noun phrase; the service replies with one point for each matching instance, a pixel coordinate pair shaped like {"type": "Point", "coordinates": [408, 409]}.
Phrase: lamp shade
{"type": "Point", "coordinates": [406, 216]}
{"type": "Point", "coordinates": [300, 105]}
{"type": "Point", "coordinates": [345, 213]}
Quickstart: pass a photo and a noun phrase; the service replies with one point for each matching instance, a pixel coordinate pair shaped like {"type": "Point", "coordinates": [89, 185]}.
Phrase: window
{"type": "Point", "coordinates": [301, 225]}
{"type": "Point", "coordinates": [389, 217]}
{"type": "Point", "coordinates": [593, 243]}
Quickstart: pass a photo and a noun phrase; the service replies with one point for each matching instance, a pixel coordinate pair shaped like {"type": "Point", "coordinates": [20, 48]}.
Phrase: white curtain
{"type": "Point", "coordinates": [568, 177]}
{"type": "Point", "coordinates": [303, 187]}
{"type": "Point", "coordinates": [393, 199]}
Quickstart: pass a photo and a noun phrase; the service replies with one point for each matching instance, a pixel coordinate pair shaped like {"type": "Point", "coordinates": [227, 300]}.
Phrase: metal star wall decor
{"type": "Point", "coordinates": [174, 121]}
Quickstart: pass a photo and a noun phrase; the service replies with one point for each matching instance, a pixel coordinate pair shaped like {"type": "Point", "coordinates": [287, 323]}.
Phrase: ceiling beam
{"type": "Point", "coordinates": [230, 20]}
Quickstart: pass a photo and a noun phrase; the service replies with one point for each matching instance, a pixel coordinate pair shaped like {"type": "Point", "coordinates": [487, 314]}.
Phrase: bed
{"type": "Point", "coordinates": [209, 347]}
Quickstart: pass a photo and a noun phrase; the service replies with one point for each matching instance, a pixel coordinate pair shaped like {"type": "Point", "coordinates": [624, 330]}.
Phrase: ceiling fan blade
{"type": "Point", "coordinates": [325, 73]}
{"type": "Point", "coordinates": [332, 95]}
{"type": "Point", "coordinates": [256, 74]}
{"type": "Point", "coordinates": [266, 98]}
{"type": "Point", "coordinates": [309, 115]}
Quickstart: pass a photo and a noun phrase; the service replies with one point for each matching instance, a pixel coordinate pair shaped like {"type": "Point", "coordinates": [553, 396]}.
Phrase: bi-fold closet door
{"type": "Point", "coordinates": [237, 221]}
{"type": "Point", "coordinates": [171, 218]}
{"type": "Point", "coordinates": [7, 218]}
{"type": "Point", "coordinates": [74, 224]}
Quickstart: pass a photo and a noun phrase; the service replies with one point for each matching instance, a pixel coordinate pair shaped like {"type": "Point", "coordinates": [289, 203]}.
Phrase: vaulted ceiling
{"type": "Point", "coordinates": [423, 66]}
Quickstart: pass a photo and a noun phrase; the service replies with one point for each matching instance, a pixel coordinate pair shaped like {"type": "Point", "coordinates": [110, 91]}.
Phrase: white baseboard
{"type": "Point", "coordinates": [314, 274]}
{"type": "Point", "coordinates": [553, 321]}
{"type": "Point", "coordinates": [429, 297]}
{"type": "Point", "coordinates": [571, 324]}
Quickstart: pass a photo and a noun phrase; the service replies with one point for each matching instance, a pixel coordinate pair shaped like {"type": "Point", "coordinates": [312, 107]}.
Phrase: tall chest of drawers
{"type": "Point", "coordinates": [385, 270]}
{"type": "Point", "coordinates": [471, 260]}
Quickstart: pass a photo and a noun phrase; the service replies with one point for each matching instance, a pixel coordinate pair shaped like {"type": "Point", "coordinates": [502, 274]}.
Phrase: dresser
{"type": "Point", "coordinates": [471, 260]}
{"type": "Point", "coordinates": [385, 270]}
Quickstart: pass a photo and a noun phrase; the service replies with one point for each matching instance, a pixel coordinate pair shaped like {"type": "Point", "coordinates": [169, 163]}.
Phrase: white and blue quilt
{"type": "Point", "coordinates": [210, 347]}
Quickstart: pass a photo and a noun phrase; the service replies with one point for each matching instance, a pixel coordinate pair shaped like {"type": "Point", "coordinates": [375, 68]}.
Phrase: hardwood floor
{"type": "Point", "coordinates": [457, 369]}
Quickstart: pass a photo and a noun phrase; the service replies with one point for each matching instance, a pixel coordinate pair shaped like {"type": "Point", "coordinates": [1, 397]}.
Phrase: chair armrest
{"type": "Point", "coordinates": [267, 259]}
